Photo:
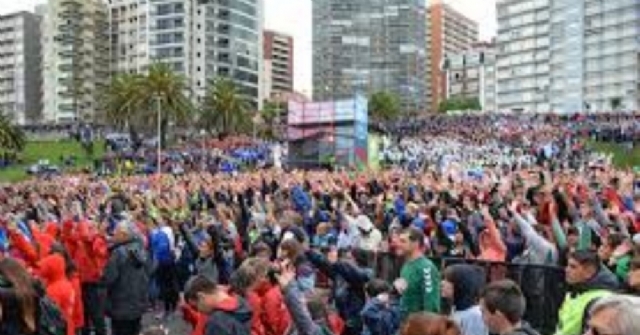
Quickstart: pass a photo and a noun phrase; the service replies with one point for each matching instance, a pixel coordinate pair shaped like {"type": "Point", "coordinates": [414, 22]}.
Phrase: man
{"type": "Point", "coordinates": [419, 281]}
{"type": "Point", "coordinates": [126, 278]}
{"type": "Point", "coordinates": [503, 306]}
{"type": "Point", "coordinates": [588, 281]}
{"type": "Point", "coordinates": [227, 314]}
{"type": "Point", "coordinates": [615, 315]}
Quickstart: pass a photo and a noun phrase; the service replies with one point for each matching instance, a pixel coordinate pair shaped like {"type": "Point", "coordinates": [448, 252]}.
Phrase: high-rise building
{"type": "Point", "coordinates": [75, 44]}
{"type": "Point", "coordinates": [449, 32]}
{"type": "Point", "coordinates": [200, 39]}
{"type": "Point", "coordinates": [471, 75]}
{"type": "Point", "coordinates": [365, 46]}
{"type": "Point", "coordinates": [278, 64]}
{"type": "Point", "coordinates": [20, 67]}
{"type": "Point", "coordinates": [567, 56]}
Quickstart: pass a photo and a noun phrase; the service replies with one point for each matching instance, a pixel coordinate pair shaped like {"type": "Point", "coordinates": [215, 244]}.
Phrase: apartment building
{"type": "Point", "coordinates": [75, 44]}
{"type": "Point", "coordinates": [567, 56]}
{"type": "Point", "coordinates": [471, 75]}
{"type": "Point", "coordinates": [278, 64]}
{"type": "Point", "coordinates": [450, 33]}
{"type": "Point", "coordinates": [200, 39]}
{"type": "Point", "coordinates": [20, 69]}
{"type": "Point", "coordinates": [365, 46]}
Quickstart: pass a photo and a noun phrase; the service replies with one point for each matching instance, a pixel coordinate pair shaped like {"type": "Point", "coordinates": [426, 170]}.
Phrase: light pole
{"type": "Point", "coordinates": [159, 134]}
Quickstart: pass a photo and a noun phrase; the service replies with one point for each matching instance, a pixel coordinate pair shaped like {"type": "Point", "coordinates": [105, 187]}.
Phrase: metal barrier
{"type": "Point", "coordinates": [543, 286]}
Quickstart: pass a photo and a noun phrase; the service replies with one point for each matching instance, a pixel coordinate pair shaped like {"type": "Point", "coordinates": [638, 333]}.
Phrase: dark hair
{"type": "Point", "coordinates": [376, 287]}
{"type": "Point", "coordinates": [615, 240]}
{"type": "Point", "coordinates": [429, 324]}
{"type": "Point", "coordinates": [18, 294]}
{"type": "Point", "coordinates": [198, 284]}
{"type": "Point", "coordinates": [70, 266]}
{"type": "Point", "coordinates": [415, 235]}
{"type": "Point", "coordinates": [586, 258]}
{"type": "Point", "coordinates": [258, 248]}
{"type": "Point", "coordinates": [635, 263]}
{"type": "Point", "coordinates": [247, 274]}
{"type": "Point", "coordinates": [293, 248]}
{"type": "Point", "coordinates": [505, 296]}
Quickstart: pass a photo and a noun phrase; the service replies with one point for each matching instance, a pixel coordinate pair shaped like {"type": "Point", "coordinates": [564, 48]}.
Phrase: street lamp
{"type": "Point", "coordinates": [159, 136]}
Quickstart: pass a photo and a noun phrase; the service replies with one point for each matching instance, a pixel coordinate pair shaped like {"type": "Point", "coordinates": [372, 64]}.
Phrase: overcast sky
{"type": "Point", "coordinates": [294, 17]}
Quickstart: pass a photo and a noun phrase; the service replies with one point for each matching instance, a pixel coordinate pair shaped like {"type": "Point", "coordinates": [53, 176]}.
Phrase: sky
{"type": "Point", "coordinates": [293, 17]}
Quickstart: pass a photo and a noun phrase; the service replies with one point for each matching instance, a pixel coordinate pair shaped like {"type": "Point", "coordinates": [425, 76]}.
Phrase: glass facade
{"type": "Point", "coordinates": [365, 46]}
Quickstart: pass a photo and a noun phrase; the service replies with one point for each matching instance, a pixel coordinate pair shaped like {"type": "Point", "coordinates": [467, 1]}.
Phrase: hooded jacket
{"type": "Point", "coordinates": [579, 299]}
{"type": "Point", "coordinates": [468, 281]}
{"type": "Point", "coordinates": [231, 317]}
{"type": "Point", "coordinates": [59, 288]}
{"type": "Point", "coordinates": [380, 316]}
{"type": "Point", "coordinates": [126, 278]}
{"type": "Point", "coordinates": [90, 252]}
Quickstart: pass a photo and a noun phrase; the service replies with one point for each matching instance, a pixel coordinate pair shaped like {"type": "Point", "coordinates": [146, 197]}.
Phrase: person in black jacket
{"type": "Point", "coordinates": [228, 314]}
{"type": "Point", "coordinates": [126, 278]}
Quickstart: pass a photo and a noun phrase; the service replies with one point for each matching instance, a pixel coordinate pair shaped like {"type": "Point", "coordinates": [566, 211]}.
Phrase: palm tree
{"type": "Point", "coordinates": [225, 108]}
{"type": "Point", "coordinates": [119, 99]}
{"type": "Point", "coordinates": [12, 138]}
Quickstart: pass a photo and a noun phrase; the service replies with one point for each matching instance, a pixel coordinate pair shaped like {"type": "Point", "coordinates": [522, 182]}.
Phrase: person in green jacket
{"type": "Point", "coordinates": [419, 281]}
{"type": "Point", "coordinates": [588, 281]}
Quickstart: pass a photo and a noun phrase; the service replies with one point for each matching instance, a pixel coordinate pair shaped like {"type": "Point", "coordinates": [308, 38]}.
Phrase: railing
{"type": "Point", "coordinates": [543, 286]}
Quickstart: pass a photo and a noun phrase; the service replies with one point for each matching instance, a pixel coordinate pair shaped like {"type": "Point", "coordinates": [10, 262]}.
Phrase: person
{"type": "Point", "coordinates": [58, 287]}
{"type": "Point", "coordinates": [503, 305]}
{"type": "Point", "coordinates": [126, 278]}
{"type": "Point", "coordinates": [429, 324]}
{"type": "Point", "coordinates": [18, 299]}
{"type": "Point", "coordinates": [292, 251]}
{"type": "Point", "coordinates": [228, 314]}
{"type": "Point", "coordinates": [162, 242]}
{"type": "Point", "coordinates": [381, 314]}
{"type": "Point", "coordinates": [346, 269]}
{"type": "Point", "coordinates": [633, 281]}
{"type": "Point", "coordinates": [615, 315]}
{"type": "Point", "coordinates": [461, 287]}
{"type": "Point", "coordinates": [250, 282]}
{"type": "Point", "coordinates": [309, 315]}
{"type": "Point", "coordinates": [588, 281]}
{"type": "Point", "coordinates": [419, 282]}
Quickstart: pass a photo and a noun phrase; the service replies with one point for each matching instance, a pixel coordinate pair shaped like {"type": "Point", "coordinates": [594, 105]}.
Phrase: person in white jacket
{"type": "Point", "coordinates": [369, 237]}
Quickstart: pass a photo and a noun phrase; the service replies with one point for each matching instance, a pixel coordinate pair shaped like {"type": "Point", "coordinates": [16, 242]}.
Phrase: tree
{"type": "Point", "coordinates": [135, 99]}
{"type": "Point", "coordinates": [269, 115]}
{"type": "Point", "coordinates": [119, 99]}
{"type": "Point", "coordinates": [384, 106]}
{"type": "Point", "coordinates": [616, 103]}
{"type": "Point", "coordinates": [225, 108]}
{"type": "Point", "coordinates": [12, 138]}
{"type": "Point", "coordinates": [460, 104]}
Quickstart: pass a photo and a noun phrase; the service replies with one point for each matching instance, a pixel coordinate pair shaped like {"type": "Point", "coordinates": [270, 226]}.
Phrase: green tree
{"type": "Point", "coordinates": [135, 100]}
{"type": "Point", "coordinates": [384, 106]}
{"type": "Point", "coordinates": [12, 138]}
{"type": "Point", "coordinates": [225, 108]}
{"type": "Point", "coordinates": [269, 115]}
{"type": "Point", "coordinates": [459, 104]}
{"type": "Point", "coordinates": [616, 103]}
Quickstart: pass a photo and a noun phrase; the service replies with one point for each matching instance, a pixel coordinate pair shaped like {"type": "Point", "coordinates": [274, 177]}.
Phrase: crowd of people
{"type": "Point", "coordinates": [275, 252]}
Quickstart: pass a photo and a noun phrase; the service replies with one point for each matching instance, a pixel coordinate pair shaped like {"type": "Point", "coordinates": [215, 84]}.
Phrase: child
{"type": "Point", "coordinates": [381, 313]}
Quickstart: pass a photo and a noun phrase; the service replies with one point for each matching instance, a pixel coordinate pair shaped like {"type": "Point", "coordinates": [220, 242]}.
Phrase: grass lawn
{"type": "Point", "coordinates": [622, 157]}
{"type": "Point", "coordinates": [51, 151]}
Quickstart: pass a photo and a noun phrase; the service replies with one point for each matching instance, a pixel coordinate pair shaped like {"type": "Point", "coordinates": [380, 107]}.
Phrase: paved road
{"type": "Point", "coordinates": [174, 323]}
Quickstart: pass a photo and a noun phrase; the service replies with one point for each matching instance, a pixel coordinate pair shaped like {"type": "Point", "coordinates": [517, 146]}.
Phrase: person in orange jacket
{"type": "Point", "coordinates": [71, 271]}
{"type": "Point", "coordinates": [58, 287]}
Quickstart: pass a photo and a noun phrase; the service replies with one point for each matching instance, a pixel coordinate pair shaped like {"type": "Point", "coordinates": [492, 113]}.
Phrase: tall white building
{"type": "Point", "coordinates": [75, 45]}
{"type": "Point", "coordinates": [200, 39]}
{"type": "Point", "coordinates": [20, 72]}
{"type": "Point", "coordinates": [567, 56]}
{"type": "Point", "coordinates": [523, 44]}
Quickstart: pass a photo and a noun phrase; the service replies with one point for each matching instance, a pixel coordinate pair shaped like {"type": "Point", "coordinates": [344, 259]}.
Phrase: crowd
{"type": "Point", "coordinates": [274, 252]}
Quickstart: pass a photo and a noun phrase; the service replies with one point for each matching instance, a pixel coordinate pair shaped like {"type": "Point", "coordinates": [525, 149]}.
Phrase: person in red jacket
{"type": "Point", "coordinates": [71, 271]}
{"type": "Point", "coordinates": [90, 253]}
{"type": "Point", "coordinates": [58, 287]}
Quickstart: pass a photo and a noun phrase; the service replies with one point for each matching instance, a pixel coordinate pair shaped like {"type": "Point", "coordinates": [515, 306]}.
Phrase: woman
{"type": "Point", "coordinates": [293, 251]}
{"type": "Point", "coordinates": [18, 300]}
{"type": "Point", "coordinates": [429, 324]}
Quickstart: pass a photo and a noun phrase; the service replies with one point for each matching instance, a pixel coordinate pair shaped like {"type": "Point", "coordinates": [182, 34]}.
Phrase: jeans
{"type": "Point", "coordinates": [94, 299]}
{"type": "Point", "coordinates": [126, 327]}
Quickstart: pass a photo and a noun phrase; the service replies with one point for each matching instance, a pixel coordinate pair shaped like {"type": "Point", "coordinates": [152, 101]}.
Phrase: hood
{"type": "Point", "coordinates": [468, 281]}
{"type": "Point", "coordinates": [603, 280]}
{"type": "Point", "coordinates": [52, 230]}
{"type": "Point", "coordinates": [235, 307]}
{"type": "Point", "coordinates": [52, 268]}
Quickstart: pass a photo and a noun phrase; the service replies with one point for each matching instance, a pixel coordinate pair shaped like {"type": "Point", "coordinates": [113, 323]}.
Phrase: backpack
{"type": "Point", "coordinates": [161, 246]}
{"type": "Point", "coordinates": [50, 318]}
